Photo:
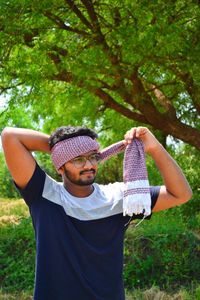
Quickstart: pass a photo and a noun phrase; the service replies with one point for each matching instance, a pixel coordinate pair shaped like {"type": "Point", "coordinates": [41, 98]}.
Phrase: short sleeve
{"type": "Point", "coordinates": [34, 189]}
{"type": "Point", "coordinates": [154, 192]}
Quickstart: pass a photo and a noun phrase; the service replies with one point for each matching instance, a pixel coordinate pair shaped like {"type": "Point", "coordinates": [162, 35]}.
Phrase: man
{"type": "Point", "coordinates": [79, 225]}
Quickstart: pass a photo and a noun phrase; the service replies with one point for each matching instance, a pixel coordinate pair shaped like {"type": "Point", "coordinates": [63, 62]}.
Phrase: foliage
{"type": "Point", "coordinates": [92, 62]}
{"type": "Point", "coordinates": [189, 160]}
{"type": "Point", "coordinates": [17, 256]}
{"type": "Point", "coordinates": [7, 188]}
{"type": "Point", "coordinates": [17, 247]}
{"type": "Point", "coordinates": [162, 252]}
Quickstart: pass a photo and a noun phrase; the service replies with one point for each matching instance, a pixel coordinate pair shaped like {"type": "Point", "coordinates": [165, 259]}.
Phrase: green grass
{"type": "Point", "coordinates": [17, 248]}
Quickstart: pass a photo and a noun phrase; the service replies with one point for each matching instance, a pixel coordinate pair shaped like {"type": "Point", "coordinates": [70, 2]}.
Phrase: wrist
{"type": "Point", "coordinates": [155, 150]}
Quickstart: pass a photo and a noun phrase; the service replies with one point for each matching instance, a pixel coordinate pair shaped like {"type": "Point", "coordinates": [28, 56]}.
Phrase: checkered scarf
{"type": "Point", "coordinates": [136, 195]}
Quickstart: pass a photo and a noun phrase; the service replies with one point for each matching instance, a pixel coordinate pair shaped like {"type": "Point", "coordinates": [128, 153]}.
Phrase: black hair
{"type": "Point", "coordinates": [66, 132]}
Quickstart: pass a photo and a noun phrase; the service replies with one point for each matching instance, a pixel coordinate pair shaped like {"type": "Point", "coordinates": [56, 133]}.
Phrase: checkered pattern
{"type": "Point", "coordinates": [70, 148]}
{"type": "Point", "coordinates": [136, 198]}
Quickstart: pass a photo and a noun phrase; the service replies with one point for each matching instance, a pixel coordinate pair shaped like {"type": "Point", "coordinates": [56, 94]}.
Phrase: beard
{"type": "Point", "coordinates": [80, 181]}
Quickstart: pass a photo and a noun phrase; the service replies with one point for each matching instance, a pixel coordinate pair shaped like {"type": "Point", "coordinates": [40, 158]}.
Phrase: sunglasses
{"type": "Point", "coordinates": [80, 161]}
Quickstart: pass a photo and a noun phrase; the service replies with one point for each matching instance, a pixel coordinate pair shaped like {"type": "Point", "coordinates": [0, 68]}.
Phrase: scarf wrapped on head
{"type": "Point", "coordinates": [136, 194]}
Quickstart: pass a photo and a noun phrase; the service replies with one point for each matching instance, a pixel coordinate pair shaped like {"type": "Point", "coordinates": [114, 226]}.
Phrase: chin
{"type": "Point", "coordinates": [86, 182]}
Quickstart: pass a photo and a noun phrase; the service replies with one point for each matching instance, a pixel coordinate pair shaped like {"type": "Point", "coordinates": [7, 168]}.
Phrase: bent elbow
{"type": "Point", "coordinates": [187, 196]}
{"type": "Point", "coordinates": [6, 132]}
{"type": "Point", "coordinates": [7, 136]}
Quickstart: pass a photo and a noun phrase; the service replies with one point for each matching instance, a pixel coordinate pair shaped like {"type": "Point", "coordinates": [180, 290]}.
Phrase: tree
{"type": "Point", "coordinates": [137, 58]}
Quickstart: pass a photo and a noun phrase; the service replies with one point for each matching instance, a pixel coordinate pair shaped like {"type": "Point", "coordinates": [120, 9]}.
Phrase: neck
{"type": "Point", "coordinates": [78, 190]}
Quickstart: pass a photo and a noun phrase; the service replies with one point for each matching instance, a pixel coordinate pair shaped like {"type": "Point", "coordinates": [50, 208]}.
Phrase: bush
{"type": "Point", "coordinates": [17, 251]}
{"type": "Point", "coordinates": [189, 160]}
{"type": "Point", "coordinates": [161, 252]}
{"type": "Point", "coordinates": [8, 189]}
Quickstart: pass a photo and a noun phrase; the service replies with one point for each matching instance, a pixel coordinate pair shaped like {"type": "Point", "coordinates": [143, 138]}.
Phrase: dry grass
{"type": "Point", "coordinates": [155, 294]}
{"type": "Point", "coordinates": [21, 296]}
{"type": "Point", "coordinates": [12, 211]}
{"type": "Point", "coordinates": [151, 294]}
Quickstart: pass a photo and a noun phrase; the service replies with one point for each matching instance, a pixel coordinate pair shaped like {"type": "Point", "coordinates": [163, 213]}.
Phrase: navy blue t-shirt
{"type": "Point", "coordinates": [77, 257]}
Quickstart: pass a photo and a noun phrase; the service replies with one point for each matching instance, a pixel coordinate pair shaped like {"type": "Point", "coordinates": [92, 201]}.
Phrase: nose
{"type": "Point", "coordinates": [88, 164]}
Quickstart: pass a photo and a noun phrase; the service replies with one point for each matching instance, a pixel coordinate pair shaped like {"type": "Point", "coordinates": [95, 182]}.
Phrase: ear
{"type": "Point", "coordinates": [60, 171]}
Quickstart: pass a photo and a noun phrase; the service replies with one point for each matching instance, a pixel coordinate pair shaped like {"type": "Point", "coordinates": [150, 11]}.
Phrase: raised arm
{"type": "Point", "coordinates": [18, 143]}
{"type": "Point", "coordinates": [176, 189]}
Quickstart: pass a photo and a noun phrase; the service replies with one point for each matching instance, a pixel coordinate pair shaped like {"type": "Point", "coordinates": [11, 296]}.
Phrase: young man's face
{"type": "Point", "coordinates": [82, 169]}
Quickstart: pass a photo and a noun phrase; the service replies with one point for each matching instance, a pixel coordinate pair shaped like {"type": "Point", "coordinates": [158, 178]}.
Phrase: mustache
{"type": "Point", "coordinates": [89, 170]}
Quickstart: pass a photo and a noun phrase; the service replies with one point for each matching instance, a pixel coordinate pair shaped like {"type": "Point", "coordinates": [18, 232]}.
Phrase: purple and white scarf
{"type": "Point", "coordinates": [136, 195]}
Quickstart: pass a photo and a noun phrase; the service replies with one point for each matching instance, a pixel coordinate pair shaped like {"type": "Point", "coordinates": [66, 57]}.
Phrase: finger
{"type": "Point", "coordinates": [130, 135]}
{"type": "Point", "coordinates": [125, 142]}
{"type": "Point", "coordinates": [140, 131]}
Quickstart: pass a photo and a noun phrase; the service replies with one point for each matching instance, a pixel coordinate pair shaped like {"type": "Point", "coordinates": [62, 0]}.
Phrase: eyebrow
{"type": "Point", "coordinates": [93, 152]}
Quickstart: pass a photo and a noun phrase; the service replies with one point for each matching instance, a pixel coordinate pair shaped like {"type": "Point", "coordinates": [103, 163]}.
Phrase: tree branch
{"type": "Point", "coordinates": [79, 14]}
{"type": "Point", "coordinates": [190, 86]}
{"type": "Point", "coordinates": [59, 22]}
{"type": "Point", "coordinates": [55, 53]}
{"type": "Point", "coordinates": [95, 28]}
{"type": "Point", "coordinates": [92, 14]}
{"type": "Point", "coordinates": [63, 76]}
{"type": "Point", "coordinates": [152, 86]}
{"type": "Point", "coordinates": [164, 101]}
{"type": "Point", "coordinates": [111, 103]}
{"type": "Point", "coordinates": [141, 99]}
{"type": "Point", "coordinates": [192, 89]}
{"type": "Point", "coordinates": [4, 89]}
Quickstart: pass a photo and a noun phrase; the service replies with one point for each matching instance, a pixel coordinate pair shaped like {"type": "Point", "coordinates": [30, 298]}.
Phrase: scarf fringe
{"type": "Point", "coordinates": [137, 204]}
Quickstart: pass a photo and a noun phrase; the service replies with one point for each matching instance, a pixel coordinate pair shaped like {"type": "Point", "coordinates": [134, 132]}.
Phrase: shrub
{"type": "Point", "coordinates": [189, 160]}
{"type": "Point", "coordinates": [7, 189]}
{"type": "Point", "coordinates": [161, 252]}
{"type": "Point", "coordinates": [17, 251]}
